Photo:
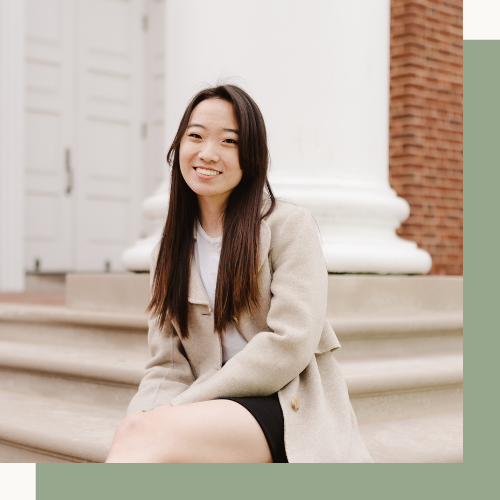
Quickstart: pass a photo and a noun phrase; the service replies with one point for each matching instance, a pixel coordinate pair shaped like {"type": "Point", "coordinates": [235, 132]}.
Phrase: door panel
{"type": "Point", "coordinates": [48, 121]}
{"type": "Point", "coordinates": [109, 149]}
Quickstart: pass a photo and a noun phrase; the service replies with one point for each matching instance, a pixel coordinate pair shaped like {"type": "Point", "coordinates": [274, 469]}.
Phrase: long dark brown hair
{"type": "Point", "coordinates": [237, 288]}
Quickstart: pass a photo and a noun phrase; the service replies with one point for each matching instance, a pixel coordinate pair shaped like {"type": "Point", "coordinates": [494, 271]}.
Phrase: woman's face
{"type": "Point", "coordinates": [208, 153]}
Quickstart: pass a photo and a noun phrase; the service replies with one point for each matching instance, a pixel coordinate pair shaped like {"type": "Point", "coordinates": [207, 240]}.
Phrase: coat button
{"type": "Point", "coordinates": [295, 403]}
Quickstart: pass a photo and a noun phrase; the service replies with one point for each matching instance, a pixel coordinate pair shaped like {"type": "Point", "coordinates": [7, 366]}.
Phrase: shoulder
{"type": "Point", "coordinates": [294, 242]}
{"type": "Point", "coordinates": [291, 228]}
{"type": "Point", "coordinates": [289, 216]}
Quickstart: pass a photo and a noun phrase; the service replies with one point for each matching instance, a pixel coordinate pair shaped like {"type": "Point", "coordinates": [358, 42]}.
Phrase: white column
{"type": "Point", "coordinates": [137, 257]}
{"type": "Point", "coordinates": [319, 70]}
{"type": "Point", "coordinates": [12, 33]}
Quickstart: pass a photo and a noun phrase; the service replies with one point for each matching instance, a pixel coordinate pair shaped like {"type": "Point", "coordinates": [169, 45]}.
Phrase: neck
{"type": "Point", "coordinates": [211, 211]}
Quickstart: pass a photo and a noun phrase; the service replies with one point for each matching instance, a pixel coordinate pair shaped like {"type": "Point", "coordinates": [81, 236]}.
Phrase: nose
{"type": "Point", "coordinates": [208, 156]}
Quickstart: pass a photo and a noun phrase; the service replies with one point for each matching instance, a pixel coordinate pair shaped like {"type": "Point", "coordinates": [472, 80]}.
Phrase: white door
{"type": "Point", "coordinates": [84, 143]}
{"type": "Point", "coordinates": [49, 134]}
{"type": "Point", "coordinates": [108, 156]}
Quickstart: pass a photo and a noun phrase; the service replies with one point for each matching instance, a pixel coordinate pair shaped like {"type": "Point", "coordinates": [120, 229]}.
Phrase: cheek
{"type": "Point", "coordinates": [185, 155]}
{"type": "Point", "coordinates": [239, 174]}
{"type": "Point", "coordinates": [236, 171]}
{"type": "Point", "coordinates": [235, 178]}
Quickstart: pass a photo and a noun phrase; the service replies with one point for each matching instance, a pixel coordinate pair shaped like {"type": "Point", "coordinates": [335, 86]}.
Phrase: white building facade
{"type": "Point", "coordinates": [106, 83]}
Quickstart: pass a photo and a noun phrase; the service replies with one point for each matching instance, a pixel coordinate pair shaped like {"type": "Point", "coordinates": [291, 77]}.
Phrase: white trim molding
{"type": "Point", "coordinates": [12, 89]}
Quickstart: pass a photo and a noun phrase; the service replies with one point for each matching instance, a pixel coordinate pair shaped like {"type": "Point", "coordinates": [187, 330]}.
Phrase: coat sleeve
{"type": "Point", "coordinates": [295, 319]}
{"type": "Point", "coordinates": [168, 373]}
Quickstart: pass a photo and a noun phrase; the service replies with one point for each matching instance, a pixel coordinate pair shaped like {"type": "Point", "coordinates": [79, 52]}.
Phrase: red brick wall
{"type": "Point", "coordinates": [425, 165]}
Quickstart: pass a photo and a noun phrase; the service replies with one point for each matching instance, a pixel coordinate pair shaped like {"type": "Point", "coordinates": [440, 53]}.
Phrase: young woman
{"type": "Point", "coordinates": [242, 366]}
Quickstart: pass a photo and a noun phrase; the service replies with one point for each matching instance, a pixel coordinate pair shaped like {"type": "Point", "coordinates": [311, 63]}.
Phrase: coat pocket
{"type": "Point", "coordinates": [328, 340]}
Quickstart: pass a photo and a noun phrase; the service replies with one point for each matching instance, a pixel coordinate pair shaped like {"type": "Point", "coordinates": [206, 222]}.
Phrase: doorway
{"type": "Point", "coordinates": [84, 144]}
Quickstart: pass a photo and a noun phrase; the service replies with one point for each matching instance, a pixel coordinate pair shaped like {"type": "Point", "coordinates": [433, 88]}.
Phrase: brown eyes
{"type": "Point", "coordinates": [198, 136]}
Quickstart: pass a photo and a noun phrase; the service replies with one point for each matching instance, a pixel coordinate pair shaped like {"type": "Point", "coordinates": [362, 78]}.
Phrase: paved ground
{"type": "Point", "coordinates": [43, 289]}
{"type": "Point", "coordinates": [52, 299]}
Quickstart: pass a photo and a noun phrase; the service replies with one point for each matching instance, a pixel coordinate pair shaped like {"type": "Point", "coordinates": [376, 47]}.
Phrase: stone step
{"type": "Point", "coordinates": [80, 374]}
{"type": "Point", "coordinates": [348, 295]}
{"type": "Point", "coordinates": [38, 429]}
{"type": "Point", "coordinates": [380, 337]}
{"type": "Point", "coordinates": [372, 295]}
{"type": "Point", "coordinates": [360, 337]}
{"type": "Point", "coordinates": [29, 313]}
{"type": "Point", "coordinates": [107, 365]}
{"type": "Point", "coordinates": [48, 429]}
{"type": "Point", "coordinates": [68, 388]}
{"type": "Point", "coordinates": [430, 439]}
{"type": "Point", "coordinates": [64, 326]}
{"type": "Point", "coordinates": [387, 388]}
{"type": "Point", "coordinates": [379, 388]}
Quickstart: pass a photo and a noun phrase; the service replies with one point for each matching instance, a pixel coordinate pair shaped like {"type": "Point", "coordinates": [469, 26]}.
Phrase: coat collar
{"type": "Point", "coordinates": [197, 293]}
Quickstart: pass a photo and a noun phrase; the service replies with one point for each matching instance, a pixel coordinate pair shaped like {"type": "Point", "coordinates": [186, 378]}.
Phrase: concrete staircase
{"type": "Point", "coordinates": [68, 373]}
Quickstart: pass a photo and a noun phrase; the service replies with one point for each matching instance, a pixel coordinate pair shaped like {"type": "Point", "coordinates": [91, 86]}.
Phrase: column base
{"type": "Point", "coordinates": [357, 220]}
{"type": "Point", "coordinates": [138, 257]}
{"type": "Point", "coordinates": [401, 258]}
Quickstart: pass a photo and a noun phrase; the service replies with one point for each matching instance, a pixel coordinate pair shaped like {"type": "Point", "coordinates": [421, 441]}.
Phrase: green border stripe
{"type": "Point", "coordinates": [481, 251]}
{"type": "Point", "coordinates": [248, 482]}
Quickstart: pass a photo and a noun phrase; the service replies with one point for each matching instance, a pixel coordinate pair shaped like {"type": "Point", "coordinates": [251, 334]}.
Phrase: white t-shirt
{"type": "Point", "coordinates": [207, 256]}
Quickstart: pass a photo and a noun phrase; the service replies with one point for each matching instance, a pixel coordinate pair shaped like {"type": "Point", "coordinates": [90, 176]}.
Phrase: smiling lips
{"type": "Point", "coordinates": [207, 171]}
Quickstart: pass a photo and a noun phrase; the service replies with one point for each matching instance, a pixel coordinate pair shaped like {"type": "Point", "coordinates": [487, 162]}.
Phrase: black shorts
{"type": "Point", "coordinates": [267, 411]}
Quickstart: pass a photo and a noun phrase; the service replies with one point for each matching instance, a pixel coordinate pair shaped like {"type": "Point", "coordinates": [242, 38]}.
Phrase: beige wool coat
{"type": "Point", "coordinates": [290, 348]}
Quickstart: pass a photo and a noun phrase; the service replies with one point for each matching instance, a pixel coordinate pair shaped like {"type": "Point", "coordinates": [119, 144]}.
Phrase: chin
{"type": "Point", "coordinates": [203, 191]}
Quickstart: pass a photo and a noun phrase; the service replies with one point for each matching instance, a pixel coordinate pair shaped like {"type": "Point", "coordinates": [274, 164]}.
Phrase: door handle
{"type": "Point", "coordinates": [69, 171]}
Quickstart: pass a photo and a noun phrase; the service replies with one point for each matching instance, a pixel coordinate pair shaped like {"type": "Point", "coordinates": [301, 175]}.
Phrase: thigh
{"type": "Point", "coordinates": [217, 431]}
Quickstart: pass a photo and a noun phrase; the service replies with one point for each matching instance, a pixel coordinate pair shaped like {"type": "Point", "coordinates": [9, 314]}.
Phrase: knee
{"type": "Point", "coordinates": [130, 428]}
{"type": "Point", "coordinates": [145, 436]}
{"type": "Point", "coordinates": [128, 441]}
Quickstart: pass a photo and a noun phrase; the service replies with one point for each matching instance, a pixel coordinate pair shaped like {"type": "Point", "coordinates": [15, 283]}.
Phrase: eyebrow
{"type": "Point", "coordinates": [203, 126]}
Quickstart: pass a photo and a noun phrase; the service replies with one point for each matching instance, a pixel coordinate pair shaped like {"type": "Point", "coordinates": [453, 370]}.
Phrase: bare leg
{"type": "Point", "coordinates": [218, 431]}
